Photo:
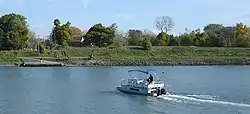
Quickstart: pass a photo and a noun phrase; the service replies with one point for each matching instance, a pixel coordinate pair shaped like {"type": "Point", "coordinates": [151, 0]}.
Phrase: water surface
{"type": "Point", "coordinates": [91, 90]}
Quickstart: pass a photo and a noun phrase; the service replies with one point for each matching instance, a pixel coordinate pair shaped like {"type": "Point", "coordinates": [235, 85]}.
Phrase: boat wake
{"type": "Point", "coordinates": [200, 99]}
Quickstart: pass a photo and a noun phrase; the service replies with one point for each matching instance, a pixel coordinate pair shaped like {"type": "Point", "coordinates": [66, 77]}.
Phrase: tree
{"type": "Point", "coordinates": [120, 39]}
{"type": "Point", "coordinates": [173, 41]}
{"type": "Point", "coordinates": [215, 35]}
{"type": "Point", "coordinates": [203, 39]}
{"type": "Point", "coordinates": [242, 35]}
{"type": "Point", "coordinates": [119, 36]}
{"type": "Point", "coordinates": [13, 31]}
{"type": "Point", "coordinates": [146, 44]}
{"type": "Point", "coordinates": [41, 49]}
{"type": "Point", "coordinates": [164, 23]}
{"type": "Point", "coordinates": [32, 40]}
{"type": "Point", "coordinates": [187, 39]}
{"type": "Point", "coordinates": [148, 34]}
{"type": "Point", "coordinates": [134, 37]}
{"type": "Point", "coordinates": [199, 38]}
{"type": "Point", "coordinates": [228, 34]}
{"type": "Point", "coordinates": [57, 22]}
{"type": "Point", "coordinates": [61, 34]}
{"type": "Point", "coordinates": [161, 39]}
{"type": "Point", "coordinates": [100, 36]}
{"type": "Point", "coordinates": [114, 26]}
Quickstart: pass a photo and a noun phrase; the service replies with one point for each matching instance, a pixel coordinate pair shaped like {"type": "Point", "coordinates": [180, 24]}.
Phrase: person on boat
{"type": "Point", "coordinates": [150, 79]}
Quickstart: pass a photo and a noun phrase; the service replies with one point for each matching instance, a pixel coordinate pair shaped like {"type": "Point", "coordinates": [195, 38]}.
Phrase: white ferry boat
{"type": "Point", "coordinates": [151, 86]}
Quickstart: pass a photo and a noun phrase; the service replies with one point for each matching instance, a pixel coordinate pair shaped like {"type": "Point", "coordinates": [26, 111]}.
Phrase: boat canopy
{"type": "Point", "coordinates": [149, 71]}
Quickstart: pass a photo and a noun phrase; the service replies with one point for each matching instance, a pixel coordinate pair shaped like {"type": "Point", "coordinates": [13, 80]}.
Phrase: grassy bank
{"type": "Point", "coordinates": [165, 54]}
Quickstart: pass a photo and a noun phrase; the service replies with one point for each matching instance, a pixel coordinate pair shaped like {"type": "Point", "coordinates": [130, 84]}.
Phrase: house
{"type": "Point", "coordinates": [77, 41]}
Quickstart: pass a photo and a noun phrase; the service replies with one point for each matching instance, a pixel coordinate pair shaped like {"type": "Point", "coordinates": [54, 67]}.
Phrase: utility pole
{"type": "Point", "coordinates": [38, 47]}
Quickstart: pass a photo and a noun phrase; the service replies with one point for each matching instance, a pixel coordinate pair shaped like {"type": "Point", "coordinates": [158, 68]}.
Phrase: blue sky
{"type": "Point", "coordinates": [135, 14]}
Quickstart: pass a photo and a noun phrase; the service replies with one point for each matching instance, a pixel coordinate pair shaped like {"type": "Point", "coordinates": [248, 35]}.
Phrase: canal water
{"type": "Point", "coordinates": [91, 90]}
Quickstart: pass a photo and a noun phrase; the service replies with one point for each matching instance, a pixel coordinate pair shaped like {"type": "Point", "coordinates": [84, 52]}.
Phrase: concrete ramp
{"type": "Point", "coordinates": [32, 62]}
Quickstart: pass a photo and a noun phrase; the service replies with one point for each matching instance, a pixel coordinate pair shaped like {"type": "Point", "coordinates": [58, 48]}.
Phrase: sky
{"type": "Point", "coordinates": [128, 14]}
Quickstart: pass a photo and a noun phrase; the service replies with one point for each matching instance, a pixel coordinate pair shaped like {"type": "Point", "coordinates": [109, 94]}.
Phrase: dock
{"type": "Point", "coordinates": [40, 63]}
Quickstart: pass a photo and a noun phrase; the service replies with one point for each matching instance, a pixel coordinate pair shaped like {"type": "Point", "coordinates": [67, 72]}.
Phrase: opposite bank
{"type": "Point", "coordinates": [153, 63]}
{"type": "Point", "coordinates": [124, 56]}
{"type": "Point", "coordinates": [140, 63]}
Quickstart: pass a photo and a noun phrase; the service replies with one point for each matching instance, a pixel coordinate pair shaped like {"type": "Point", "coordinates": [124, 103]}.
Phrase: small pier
{"type": "Point", "coordinates": [40, 63]}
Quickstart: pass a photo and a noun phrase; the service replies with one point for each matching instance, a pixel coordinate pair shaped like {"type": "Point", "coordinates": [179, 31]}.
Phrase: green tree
{"type": "Point", "coordinates": [135, 37]}
{"type": "Point", "coordinates": [173, 41]}
{"type": "Point", "coordinates": [61, 34]}
{"type": "Point", "coordinates": [32, 40]}
{"type": "Point", "coordinates": [161, 39]}
{"type": "Point", "coordinates": [146, 44]}
{"type": "Point", "coordinates": [13, 31]}
{"type": "Point", "coordinates": [215, 35]}
{"type": "Point", "coordinates": [114, 26]}
{"type": "Point", "coordinates": [41, 49]}
{"type": "Point", "coordinates": [119, 39]}
{"type": "Point", "coordinates": [187, 39]}
{"type": "Point", "coordinates": [199, 38]}
{"type": "Point", "coordinates": [57, 22]}
{"type": "Point", "coordinates": [100, 36]}
{"type": "Point", "coordinates": [203, 39]}
{"type": "Point", "coordinates": [228, 34]}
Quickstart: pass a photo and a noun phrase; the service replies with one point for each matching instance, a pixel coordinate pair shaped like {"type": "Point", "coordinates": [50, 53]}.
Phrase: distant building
{"type": "Point", "coordinates": [77, 41]}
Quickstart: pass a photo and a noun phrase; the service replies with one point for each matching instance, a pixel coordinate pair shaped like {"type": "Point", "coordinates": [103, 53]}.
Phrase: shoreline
{"type": "Point", "coordinates": [137, 63]}
{"type": "Point", "coordinates": [156, 63]}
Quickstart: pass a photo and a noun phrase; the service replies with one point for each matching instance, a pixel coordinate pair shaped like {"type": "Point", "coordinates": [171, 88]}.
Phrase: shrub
{"type": "Point", "coordinates": [146, 44]}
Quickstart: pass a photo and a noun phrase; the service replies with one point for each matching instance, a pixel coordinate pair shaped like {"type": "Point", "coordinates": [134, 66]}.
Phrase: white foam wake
{"type": "Point", "coordinates": [176, 97]}
{"type": "Point", "coordinates": [203, 97]}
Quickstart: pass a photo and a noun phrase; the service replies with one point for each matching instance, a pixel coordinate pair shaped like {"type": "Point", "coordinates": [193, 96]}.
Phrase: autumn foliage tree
{"type": "Point", "coordinates": [242, 35]}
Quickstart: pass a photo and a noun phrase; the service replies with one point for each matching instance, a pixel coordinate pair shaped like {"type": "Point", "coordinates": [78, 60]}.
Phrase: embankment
{"type": "Point", "coordinates": [124, 56]}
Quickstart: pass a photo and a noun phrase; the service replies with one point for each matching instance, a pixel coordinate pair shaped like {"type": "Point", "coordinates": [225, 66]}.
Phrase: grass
{"type": "Point", "coordinates": [180, 53]}
{"type": "Point", "coordinates": [123, 53]}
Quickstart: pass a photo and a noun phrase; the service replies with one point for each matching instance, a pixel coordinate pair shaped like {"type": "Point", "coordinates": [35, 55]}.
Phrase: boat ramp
{"type": "Point", "coordinates": [28, 62]}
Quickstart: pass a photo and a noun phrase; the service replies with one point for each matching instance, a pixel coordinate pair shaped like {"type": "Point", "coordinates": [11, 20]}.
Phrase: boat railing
{"type": "Point", "coordinates": [133, 83]}
{"type": "Point", "coordinates": [123, 82]}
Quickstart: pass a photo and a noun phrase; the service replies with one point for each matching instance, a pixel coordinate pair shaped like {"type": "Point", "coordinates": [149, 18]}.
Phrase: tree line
{"type": "Point", "coordinates": [15, 34]}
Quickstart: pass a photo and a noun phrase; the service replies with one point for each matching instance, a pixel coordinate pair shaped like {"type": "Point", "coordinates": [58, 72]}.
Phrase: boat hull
{"type": "Point", "coordinates": [136, 91]}
{"type": "Point", "coordinates": [132, 90]}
